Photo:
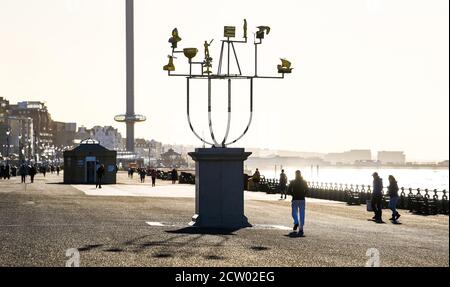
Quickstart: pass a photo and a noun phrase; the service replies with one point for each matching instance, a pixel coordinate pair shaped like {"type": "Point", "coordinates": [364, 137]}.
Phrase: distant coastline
{"type": "Point", "coordinates": [262, 162]}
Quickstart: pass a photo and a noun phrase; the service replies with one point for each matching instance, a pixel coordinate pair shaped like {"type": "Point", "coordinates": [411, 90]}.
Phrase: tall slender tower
{"type": "Point", "coordinates": [130, 118]}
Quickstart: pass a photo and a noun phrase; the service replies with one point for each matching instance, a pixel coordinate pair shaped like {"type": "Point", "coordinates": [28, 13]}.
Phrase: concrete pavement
{"type": "Point", "coordinates": [39, 224]}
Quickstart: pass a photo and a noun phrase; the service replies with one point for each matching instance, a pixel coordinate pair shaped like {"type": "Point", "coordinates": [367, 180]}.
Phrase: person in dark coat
{"type": "Point", "coordinates": [100, 174]}
{"type": "Point", "coordinates": [2, 172]}
{"type": "Point", "coordinates": [393, 198]}
{"type": "Point", "coordinates": [142, 174]}
{"type": "Point", "coordinates": [298, 189]}
{"type": "Point", "coordinates": [283, 184]}
{"type": "Point", "coordinates": [153, 174]}
{"type": "Point", "coordinates": [377, 197]}
{"type": "Point", "coordinates": [33, 172]}
{"type": "Point", "coordinates": [256, 179]}
{"type": "Point", "coordinates": [174, 176]}
{"type": "Point", "coordinates": [57, 170]}
{"type": "Point", "coordinates": [23, 171]}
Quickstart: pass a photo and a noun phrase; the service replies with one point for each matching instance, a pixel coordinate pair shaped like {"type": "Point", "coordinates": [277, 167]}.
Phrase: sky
{"type": "Point", "coordinates": [367, 73]}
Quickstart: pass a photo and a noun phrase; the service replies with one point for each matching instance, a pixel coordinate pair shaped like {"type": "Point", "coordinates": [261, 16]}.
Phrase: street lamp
{"type": "Point", "coordinates": [29, 149]}
{"type": "Point", "coordinates": [8, 132]}
{"type": "Point", "coordinates": [20, 147]}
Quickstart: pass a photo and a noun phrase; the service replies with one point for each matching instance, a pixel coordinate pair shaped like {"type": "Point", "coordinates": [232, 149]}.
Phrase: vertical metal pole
{"type": "Point", "coordinates": [256, 60]}
{"type": "Point", "coordinates": [229, 115]}
{"type": "Point", "coordinates": [216, 144]}
{"type": "Point", "coordinates": [189, 117]}
{"type": "Point", "coordinates": [219, 67]}
{"type": "Point", "coordinates": [228, 66]}
{"type": "Point", "coordinates": [130, 72]}
{"type": "Point", "coordinates": [7, 148]}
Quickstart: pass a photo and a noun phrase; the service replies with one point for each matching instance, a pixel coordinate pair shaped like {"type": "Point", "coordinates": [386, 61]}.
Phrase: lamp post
{"type": "Point", "coordinates": [29, 140]}
{"type": "Point", "coordinates": [8, 132]}
{"type": "Point", "coordinates": [20, 147]}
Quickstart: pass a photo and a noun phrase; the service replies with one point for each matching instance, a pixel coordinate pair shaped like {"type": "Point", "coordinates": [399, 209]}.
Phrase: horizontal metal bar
{"type": "Point", "coordinates": [224, 77]}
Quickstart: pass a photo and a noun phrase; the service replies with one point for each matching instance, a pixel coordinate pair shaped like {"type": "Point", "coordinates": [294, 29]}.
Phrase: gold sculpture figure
{"type": "Point", "coordinates": [175, 38]}
{"type": "Point", "coordinates": [245, 29]}
{"type": "Point", "coordinates": [206, 45]}
{"type": "Point", "coordinates": [262, 30]}
{"type": "Point", "coordinates": [170, 66]}
{"type": "Point", "coordinates": [285, 67]}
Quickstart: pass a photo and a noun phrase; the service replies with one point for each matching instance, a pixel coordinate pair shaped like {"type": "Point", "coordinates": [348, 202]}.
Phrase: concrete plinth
{"type": "Point", "coordinates": [219, 187]}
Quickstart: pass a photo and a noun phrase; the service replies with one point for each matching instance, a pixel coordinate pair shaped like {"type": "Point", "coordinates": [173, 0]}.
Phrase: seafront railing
{"type": "Point", "coordinates": [420, 201]}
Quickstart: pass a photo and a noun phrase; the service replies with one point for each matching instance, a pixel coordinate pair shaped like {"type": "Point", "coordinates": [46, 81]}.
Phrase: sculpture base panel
{"type": "Point", "coordinates": [219, 187]}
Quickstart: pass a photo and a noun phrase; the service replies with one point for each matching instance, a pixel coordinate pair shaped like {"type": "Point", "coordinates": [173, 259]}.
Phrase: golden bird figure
{"type": "Point", "coordinates": [262, 30]}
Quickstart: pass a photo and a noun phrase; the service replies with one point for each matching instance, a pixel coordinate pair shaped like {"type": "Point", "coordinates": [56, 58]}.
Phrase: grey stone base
{"type": "Point", "coordinates": [219, 192]}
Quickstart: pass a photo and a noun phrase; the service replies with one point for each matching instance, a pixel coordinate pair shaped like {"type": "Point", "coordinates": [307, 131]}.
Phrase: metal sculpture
{"type": "Point", "coordinates": [207, 74]}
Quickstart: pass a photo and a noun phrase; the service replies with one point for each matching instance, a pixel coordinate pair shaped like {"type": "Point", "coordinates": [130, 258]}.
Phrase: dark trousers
{"type": "Point", "coordinates": [32, 178]}
{"type": "Point", "coordinates": [153, 181]}
{"type": "Point", "coordinates": [377, 205]}
{"type": "Point", "coordinates": [23, 177]}
{"type": "Point", "coordinates": [283, 189]}
{"type": "Point", "coordinates": [99, 182]}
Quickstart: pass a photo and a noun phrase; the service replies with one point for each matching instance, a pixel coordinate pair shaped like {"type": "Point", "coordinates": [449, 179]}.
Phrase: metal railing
{"type": "Point", "coordinates": [420, 201]}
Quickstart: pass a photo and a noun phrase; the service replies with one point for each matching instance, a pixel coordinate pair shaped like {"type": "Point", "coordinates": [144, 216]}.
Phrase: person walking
{"type": "Point", "coordinates": [153, 174]}
{"type": "Point", "coordinates": [174, 176]}
{"type": "Point", "coordinates": [100, 174]}
{"type": "Point", "coordinates": [298, 189]}
{"type": "Point", "coordinates": [44, 169]}
{"type": "Point", "coordinates": [377, 197]}
{"type": "Point", "coordinates": [393, 198]}
{"type": "Point", "coordinates": [2, 171]}
{"type": "Point", "coordinates": [142, 174]}
{"type": "Point", "coordinates": [57, 170]}
{"type": "Point", "coordinates": [8, 171]}
{"type": "Point", "coordinates": [283, 184]}
{"type": "Point", "coordinates": [33, 172]}
{"type": "Point", "coordinates": [256, 179]}
{"type": "Point", "coordinates": [23, 170]}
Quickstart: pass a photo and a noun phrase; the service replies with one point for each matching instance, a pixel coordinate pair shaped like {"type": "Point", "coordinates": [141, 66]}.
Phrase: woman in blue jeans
{"type": "Point", "coordinates": [393, 198]}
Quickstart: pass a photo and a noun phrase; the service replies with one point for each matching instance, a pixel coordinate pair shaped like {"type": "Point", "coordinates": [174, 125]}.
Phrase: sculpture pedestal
{"type": "Point", "coordinates": [219, 187]}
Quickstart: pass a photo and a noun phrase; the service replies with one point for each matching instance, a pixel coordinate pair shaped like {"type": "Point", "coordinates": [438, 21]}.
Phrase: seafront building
{"type": "Point", "coordinates": [391, 157]}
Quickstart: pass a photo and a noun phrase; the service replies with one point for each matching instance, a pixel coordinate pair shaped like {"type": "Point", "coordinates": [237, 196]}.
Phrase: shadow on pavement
{"type": "Point", "coordinates": [203, 231]}
{"type": "Point", "coordinates": [294, 234]}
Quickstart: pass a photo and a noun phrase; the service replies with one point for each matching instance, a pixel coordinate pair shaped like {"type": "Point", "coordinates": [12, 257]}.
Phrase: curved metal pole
{"type": "Point", "coordinates": [229, 114]}
{"type": "Point", "coordinates": [189, 118]}
{"type": "Point", "coordinates": [216, 144]}
{"type": "Point", "coordinates": [251, 115]}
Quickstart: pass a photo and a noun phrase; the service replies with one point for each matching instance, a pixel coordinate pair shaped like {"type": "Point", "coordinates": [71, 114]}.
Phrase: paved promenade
{"type": "Point", "coordinates": [133, 224]}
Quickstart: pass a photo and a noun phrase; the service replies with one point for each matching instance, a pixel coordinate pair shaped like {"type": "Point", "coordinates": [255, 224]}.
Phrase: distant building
{"type": "Point", "coordinates": [349, 157]}
{"type": "Point", "coordinates": [64, 134]}
{"type": "Point", "coordinates": [42, 122]}
{"type": "Point", "coordinates": [20, 139]}
{"type": "Point", "coordinates": [443, 163]}
{"type": "Point", "coordinates": [4, 109]}
{"type": "Point", "coordinates": [391, 157]}
{"type": "Point", "coordinates": [108, 136]}
{"type": "Point", "coordinates": [82, 134]}
{"type": "Point", "coordinates": [142, 149]}
{"type": "Point", "coordinates": [172, 159]}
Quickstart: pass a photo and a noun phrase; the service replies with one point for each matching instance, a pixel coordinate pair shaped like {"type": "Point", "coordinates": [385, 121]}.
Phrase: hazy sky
{"type": "Point", "coordinates": [368, 73]}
